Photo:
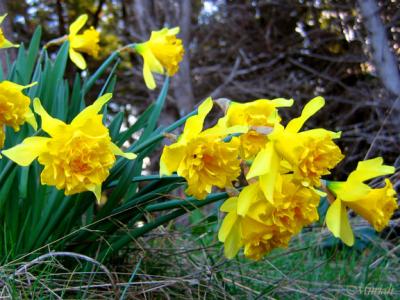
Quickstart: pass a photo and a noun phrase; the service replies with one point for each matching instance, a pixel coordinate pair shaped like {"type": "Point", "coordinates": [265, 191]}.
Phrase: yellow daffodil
{"type": "Point", "coordinates": [257, 225]}
{"type": "Point", "coordinates": [77, 157]}
{"type": "Point", "coordinates": [14, 107]}
{"type": "Point", "coordinates": [88, 42]}
{"type": "Point", "coordinates": [4, 43]}
{"type": "Point", "coordinates": [260, 115]}
{"type": "Point", "coordinates": [163, 51]}
{"type": "Point", "coordinates": [203, 158]}
{"type": "Point", "coordinates": [309, 154]}
{"type": "Point", "coordinates": [375, 205]}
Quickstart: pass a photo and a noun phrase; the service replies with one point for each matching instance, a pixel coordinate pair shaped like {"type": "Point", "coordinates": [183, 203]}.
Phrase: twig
{"type": "Point", "coordinates": [43, 258]}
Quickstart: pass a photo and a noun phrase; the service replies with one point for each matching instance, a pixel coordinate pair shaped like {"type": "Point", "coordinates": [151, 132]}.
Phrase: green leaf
{"type": "Point", "coordinates": [33, 51]}
{"type": "Point", "coordinates": [139, 124]}
{"type": "Point", "coordinates": [92, 79]}
{"type": "Point", "coordinates": [155, 114]}
{"type": "Point", "coordinates": [76, 102]}
{"type": "Point", "coordinates": [115, 125]}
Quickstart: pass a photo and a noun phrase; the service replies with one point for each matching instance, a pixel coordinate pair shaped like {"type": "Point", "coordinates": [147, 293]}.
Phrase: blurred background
{"type": "Point", "coordinates": [249, 49]}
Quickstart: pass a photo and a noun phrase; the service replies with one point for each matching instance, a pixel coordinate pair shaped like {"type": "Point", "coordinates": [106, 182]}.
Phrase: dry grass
{"type": "Point", "coordinates": [188, 263]}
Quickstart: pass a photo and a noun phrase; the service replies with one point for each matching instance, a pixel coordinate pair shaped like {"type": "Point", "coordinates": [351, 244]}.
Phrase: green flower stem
{"type": "Point", "coordinates": [186, 203]}
{"type": "Point", "coordinates": [158, 136]}
{"type": "Point", "coordinates": [91, 81]}
{"type": "Point", "coordinates": [156, 194]}
{"type": "Point", "coordinates": [143, 178]}
{"type": "Point", "coordinates": [121, 242]}
{"type": "Point", "coordinates": [124, 212]}
{"type": "Point", "coordinates": [161, 135]}
{"type": "Point", "coordinates": [104, 66]}
{"type": "Point", "coordinates": [129, 46]}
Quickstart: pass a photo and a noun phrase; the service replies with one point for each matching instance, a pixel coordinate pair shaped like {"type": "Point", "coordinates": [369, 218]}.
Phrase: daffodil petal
{"type": "Point", "coordinates": [230, 205]}
{"type": "Point", "coordinates": [24, 153]}
{"type": "Point", "coordinates": [2, 18]}
{"type": "Point", "coordinates": [282, 102]}
{"type": "Point", "coordinates": [117, 151]}
{"type": "Point", "coordinates": [51, 125]}
{"type": "Point", "coordinates": [233, 242]}
{"type": "Point", "coordinates": [195, 123]}
{"type": "Point", "coordinates": [171, 158]}
{"type": "Point", "coordinates": [148, 77]}
{"type": "Point", "coordinates": [77, 59]}
{"type": "Point", "coordinates": [149, 59]}
{"type": "Point", "coordinates": [173, 31]}
{"type": "Point", "coordinates": [30, 119]}
{"type": "Point", "coordinates": [369, 169]}
{"type": "Point", "coordinates": [246, 198]}
{"type": "Point", "coordinates": [262, 162]}
{"type": "Point", "coordinates": [338, 223]}
{"type": "Point", "coordinates": [97, 193]}
{"type": "Point", "coordinates": [309, 110]}
{"type": "Point", "coordinates": [91, 110]}
{"type": "Point", "coordinates": [226, 226]}
{"type": "Point", "coordinates": [78, 24]}
{"type": "Point", "coordinates": [7, 44]}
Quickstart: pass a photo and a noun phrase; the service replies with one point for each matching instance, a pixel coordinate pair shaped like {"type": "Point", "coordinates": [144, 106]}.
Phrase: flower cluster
{"type": "Point", "coordinates": [77, 157]}
{"type": "Point", "coordinates": [280, 167]}
{"type": "Point", "coordinates": [283, 167]}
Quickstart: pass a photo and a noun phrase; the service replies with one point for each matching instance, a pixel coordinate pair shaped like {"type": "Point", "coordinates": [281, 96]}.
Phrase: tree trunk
{"type": "Point", "coordinates": [183, 90]}
{"type": "Point", "coordinates": [384, 59]}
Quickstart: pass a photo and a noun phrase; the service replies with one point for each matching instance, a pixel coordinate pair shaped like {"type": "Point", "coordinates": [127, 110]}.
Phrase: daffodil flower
{"type": "Point", "coordinates": [4, 43]}
{"type": "Point", "coordinates": [163, 51]}
{"type": "Point", "coordinates": [88, 42]}
{"type": "Point", "coordinates": [308, 154]}
{"type": "Point", "coordinates": [203, 158]}
{"type": "Point", "coordinates": [77, 157]}
{"type": "Point", "coordinates": [257, 225]}
{"type": "Point", "coordinates": [375, 205]}
{"type": "Point", "coordinates": [14, 107]}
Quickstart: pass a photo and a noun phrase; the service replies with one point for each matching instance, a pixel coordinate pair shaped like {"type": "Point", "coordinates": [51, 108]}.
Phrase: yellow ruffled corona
{"type": "Point", "coordinates": [4, 43]}
{"type": "Point", "coordinates": [88, 42]}
{"type": "Point", "coordinates": [257, 225]}
{"type": "Point", "coordinates": [375, 205]}
{"type": "Point", "coordinates": [77, 157]}
{"type": "Point", "coordinates": [311, 154]}
{"type": "Point", "coordinates": [162, 52]}
{"type": "Point", "coordinates": [203, 158]}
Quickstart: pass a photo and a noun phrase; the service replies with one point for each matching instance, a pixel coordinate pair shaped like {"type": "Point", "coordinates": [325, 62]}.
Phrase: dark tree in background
{"type": "Point", "coordinates": [249, 49]}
